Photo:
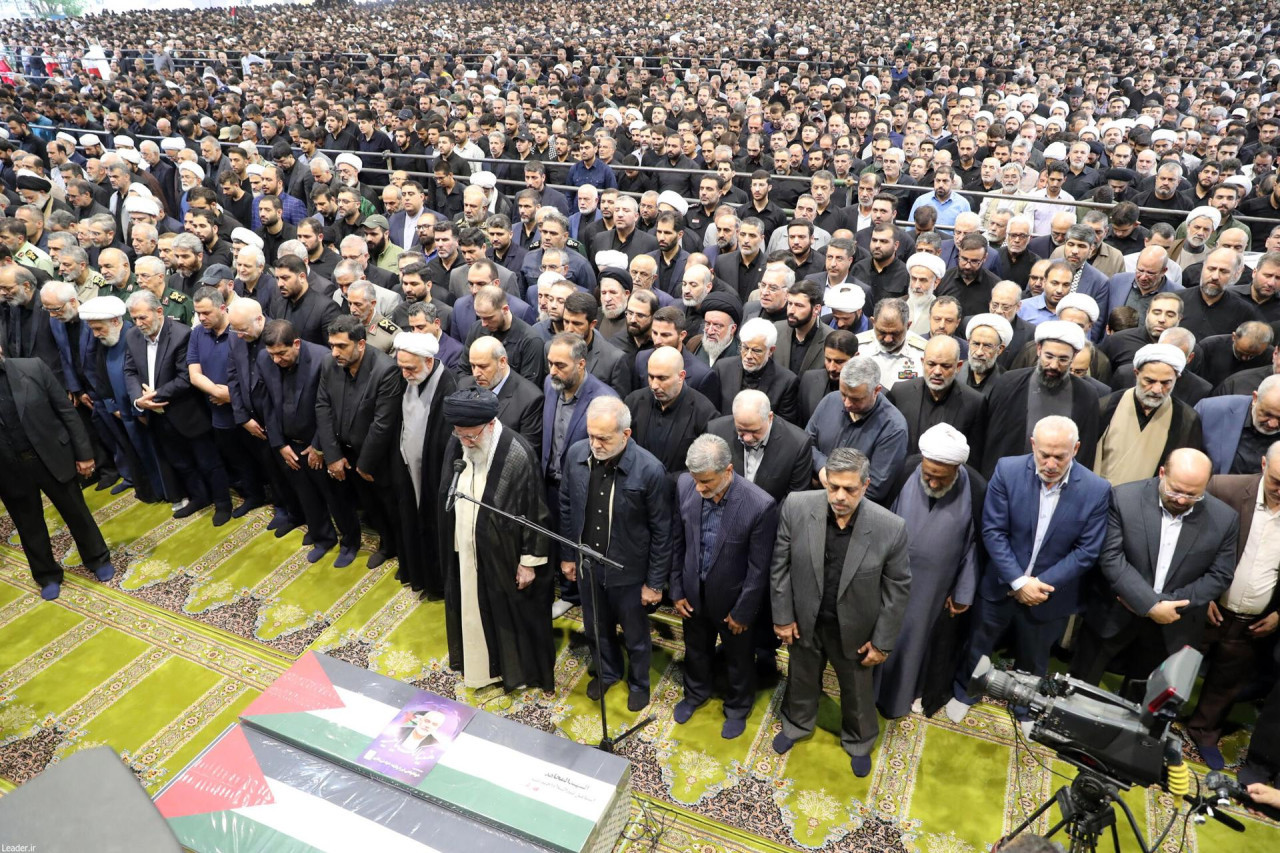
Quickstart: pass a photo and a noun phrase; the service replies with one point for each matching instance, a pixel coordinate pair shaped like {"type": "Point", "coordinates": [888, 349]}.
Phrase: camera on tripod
{"type": "Point", "coordinates": [1115, 743]}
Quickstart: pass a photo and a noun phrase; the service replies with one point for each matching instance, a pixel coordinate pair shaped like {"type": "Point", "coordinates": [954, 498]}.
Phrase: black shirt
{"type": "Point", "coordinates": [1252, 447]}
{"type": "Point", "coordinates": [833, 556]}
{"type": "Point", "coordinates": [600, 485]}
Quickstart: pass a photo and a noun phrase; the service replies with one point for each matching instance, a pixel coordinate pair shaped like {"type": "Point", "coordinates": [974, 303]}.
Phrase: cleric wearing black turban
{"type": "Point", "coordinates": [498, 582]}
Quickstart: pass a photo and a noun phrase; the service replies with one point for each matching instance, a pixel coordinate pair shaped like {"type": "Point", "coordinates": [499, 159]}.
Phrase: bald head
{"type": "Point", "coordinates": [666, 359]}
{"type": "Point", "coordinates": [1236, 239]}
{"type": "Point", "coordinates": [1183, 479]}
{"type": "Point", "coordinates": [942, 348]}
{"type": "Point", "coordinates": [245, 318]}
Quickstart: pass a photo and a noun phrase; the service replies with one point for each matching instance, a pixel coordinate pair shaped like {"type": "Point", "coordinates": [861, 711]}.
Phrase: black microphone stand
{"type": "Point", "coordinates": [589, 559]}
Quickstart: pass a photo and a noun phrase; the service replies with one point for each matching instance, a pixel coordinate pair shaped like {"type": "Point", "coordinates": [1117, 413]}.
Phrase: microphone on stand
{"type": "Point", "coordinates": [459, 465]}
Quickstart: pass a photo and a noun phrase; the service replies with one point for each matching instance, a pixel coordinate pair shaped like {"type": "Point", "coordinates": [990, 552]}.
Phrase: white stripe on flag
{"type": "Point", "coordinates": [359, 713]}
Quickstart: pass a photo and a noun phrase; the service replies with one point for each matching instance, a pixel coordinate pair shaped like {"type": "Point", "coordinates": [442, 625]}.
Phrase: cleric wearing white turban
{"type": "Point", "coordinates": [944, 444]}
{"type": "Point", "coordinates": [932, 263]}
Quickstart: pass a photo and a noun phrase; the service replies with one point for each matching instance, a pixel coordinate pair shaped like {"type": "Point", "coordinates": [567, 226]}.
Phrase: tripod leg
{"type": "Point", "coordinates": [1031, 819]}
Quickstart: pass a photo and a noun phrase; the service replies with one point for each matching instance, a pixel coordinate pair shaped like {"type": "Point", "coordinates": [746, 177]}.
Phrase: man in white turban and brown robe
{"type": "Point", "coordinates": [941, 500]}
{"type": "Point", "coordinates": [1144, 424]}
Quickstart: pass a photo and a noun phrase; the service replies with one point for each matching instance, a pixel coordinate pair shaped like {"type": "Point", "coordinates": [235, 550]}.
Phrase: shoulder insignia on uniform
{"type": "Point", "coordinates": [535, 245]}
{"type": "Point", "coordinates": [175, 296]}
{"type": "Point", "coordinates": [914, 340]}
{"type": "Point", "coordinates": [866, 337]}
{"type": "Point", "coordinates": [387, 326]}
{"type": "Point", "coordinates": [573, 244]}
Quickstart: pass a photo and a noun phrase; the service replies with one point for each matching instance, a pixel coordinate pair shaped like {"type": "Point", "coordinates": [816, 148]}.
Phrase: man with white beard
{"type": "Point", "coordinates": [497, 581]}
{"type": "Point", "coordinates": [721, 315]}
{"type": "Point", "coordinates": [112, 414]}
{"type": "Point", "coordinates": [924, 271]}
{"type": "Point", "coordinates": [1194, 247]}
{"type": "Point", "coordinates": [416, 470]}
{"type": "Point", "coordinates": [1143, 425]}
{"type": "Point", "coordinates": [694, 287]}
{"type": "Point", "coordinates": [615, 290]}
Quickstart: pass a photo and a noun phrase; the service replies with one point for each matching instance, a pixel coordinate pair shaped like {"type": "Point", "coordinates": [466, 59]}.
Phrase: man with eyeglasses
{"type": "Point", "coordinates": [1171, 550]}
{"type": "Point", "coordinates": [1242, 426]}
{"type": "Point", "coordinates": [1006, 302]}
{"type": "Point", "coordinates": [1015, 259]}
{"type": "Point", "coordinates": [499, 576]}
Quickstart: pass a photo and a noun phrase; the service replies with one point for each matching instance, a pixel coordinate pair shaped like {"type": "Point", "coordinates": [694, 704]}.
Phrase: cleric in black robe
{"type": "Point", "coordinates": [498, 582]}
{"type": "Point", "coordinates": [416, 470]}
{"type": "Point", "coordinates": [1020, 398]}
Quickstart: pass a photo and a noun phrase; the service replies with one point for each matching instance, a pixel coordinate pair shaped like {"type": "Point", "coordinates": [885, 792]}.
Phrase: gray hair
{"type": "Point", "coordinates": [708, 453]}
{"type": "Point", "coordinates": [351, 268]}
{"type": "Point", "coordinates": [294, 249]}
{"type": "Point", "coordinates": [759, 327]}
{"type": "Point", "coordinates": [63, 291]}
{"type": "Point", "coordinates": [1060, 422]}
{"type": "Point", "coordinates": [1083, 234]}
{"type": "Point", "coordinates": [149, 264]}
{"type": "Point", "coordinates": [613, 407]}
{"type": "Point", "coordinates": [252, 253]}
{"type": "Point", "coordinates": [486, 344]}
{"type": "Point", "coordinates": [146, 231]}
{"type": "Point", "coordinates": [76, 254]}
{"type": "Point", "coordinates": [847, 460]}
{"type": "Point", "coordinates": [750, 399]}
{"type": "Point", "coordinates": [432, 312]}
{"type": "Point", "coordinates": [189, 242]}
{"type": "Point", "coordinates": [363, 288]}
{"type": "Point", "coordinates": [859, 371]}
{"type": "Point", "coordinates": [1183, 339]}
{"type": "Point", "coordinates": [145, 298]}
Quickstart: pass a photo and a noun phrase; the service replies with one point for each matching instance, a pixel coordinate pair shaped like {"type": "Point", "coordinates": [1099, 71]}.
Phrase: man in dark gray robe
{"type": "Point", "coordinates": [943, 496]}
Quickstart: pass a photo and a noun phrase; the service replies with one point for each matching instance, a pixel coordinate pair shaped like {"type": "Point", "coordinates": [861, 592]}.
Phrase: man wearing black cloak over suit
{"type": "Point", "coordinates": [498, 582]}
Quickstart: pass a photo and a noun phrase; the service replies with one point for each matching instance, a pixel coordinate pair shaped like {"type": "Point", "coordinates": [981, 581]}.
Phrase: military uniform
{"type": "Point", "coordinates": [178, 306]}
{"type": "Point", "coordinates": [31, 256]}
{"type": "Point", "coordinates": [123, 292]}
{"type": "Point", "coordinates": [92, 285]}
{"type": "Point", "coordinates": [569, 243]}
{"type": "Point", "coordinates": [906, 363]}
{"type": "Point", "coordinates": [381, 333]}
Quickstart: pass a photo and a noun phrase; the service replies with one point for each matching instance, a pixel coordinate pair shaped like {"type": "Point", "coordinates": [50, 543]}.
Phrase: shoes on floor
{"type": "Point", "coordinates": [346, 556]}
{"type": "Point", "coordinates": [106, 481]}
{"type": "Point", "coordinates": [594, 690]}
{"type": "Point", "coordinates": [782, 744]}
{"type": "Point", "coordinates": [246, 508]}
{"type": "Point", "coordinates": [560, 607]}
{"type": "Point", "coordinates": [733, 728]}
{"type": "Point", "coordinates": [307, 538]}
{"type": "Point", "coordinates": [317, 553]}
{"type": "Point", "coordinates": [377, 558]}
{"type": "Point", "coordinates": [221, 517]}
{"type": "Point", "coordinates": [637, 700]}
{"type": "Point", "coordinates": [50, 591]}
{"type": "Point", "coordinates": [917, 707]}
{"type": "Point", "coordinates": [1212, 756]}
{"type": "Point", "coordinates": [956, 710]}
{"type": "Point", "coordinates": [860, 765]}
{"type": "Point", "coordinates": [684, 711]}
{"type": "Point", "coordinates": [280, 519]}
{"type": "Point", "coordinates": [105, 572]}
{"type": "Point", "coordinates": [121, 487]}
{"type": "Point", "coordinates": [186, 509]}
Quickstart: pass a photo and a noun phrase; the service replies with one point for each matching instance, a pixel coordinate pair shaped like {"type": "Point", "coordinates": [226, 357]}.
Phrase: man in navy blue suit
{"type": "Point", "coordinates": [722, 543]}
{"type": "Point", "coordinates": [1036, 560]}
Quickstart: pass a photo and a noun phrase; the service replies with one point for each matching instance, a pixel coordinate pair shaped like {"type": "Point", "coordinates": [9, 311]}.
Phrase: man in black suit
{"type": "Point", "coordinates": [768, 451]}
{"type": "Point", "coordinates": [742, 268]}
{"type": "Point", "coordinates": [44, 447]}
{"type": "Point", "coordinates": [757, 369]}
{"type": "Point", "coordinates": [722, 542]}
{"type": "Point", "coordinates": [307, 309]}
{"type": "Point", "coordinates": [519, 400]}
{"type": "Point", "coordinates": [669, 329]}
{"type": "Point", "coordinates": [159, 386]}
{"type": "Point", "coordinates": [357, 421]}
{"type": "Point", "coordinates": [604, 360]}
{"type": "Point", "coordinates": [669, 414]}
{"type": "Point", "coordinates": [1170, 549]}
{"type": "Point", "coordinates": [936, 397]}
{"type": "Point", "coordinates": [811, 386]}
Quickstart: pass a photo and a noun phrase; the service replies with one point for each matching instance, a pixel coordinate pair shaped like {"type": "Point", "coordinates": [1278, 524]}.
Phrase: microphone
{"type": "Point", "coordinates": [459, 465]}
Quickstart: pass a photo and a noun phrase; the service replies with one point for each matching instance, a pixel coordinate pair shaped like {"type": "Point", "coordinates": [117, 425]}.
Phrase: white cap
{"type": "Point", "coordinates": [350, 159]}
{"type": "Point", "coordinates": [102, 308]}
{"type": "Point", "coordinates": [1163, 353]}
{"type": "Point", "coordinates": [88, 140]}
{"type": "Point", "coordinates": [847, 298]}
{"type": "Point", "coordinates": [1002, 326]}
{"type": "Point", "coordinates": [122, 141]}
{"type": "Point", "coordinates": [147, 206]}
{"type": "Point", "coordinates": [194, 169]}
{"type": "Point", "coordinates": [1163, 135]}
{"type": "Point", "coordinates": [1211, 213]}
{"type": "Point", "coordinates": [487, 180]}
{"type": "Point", "coordinates": [1063, 332]}
{"type": "Point", "coordinates": [129, 155]}
{"type": "Point", "coordinates": [1055, 151]}
{"type": "Point", "coordinates": [244, 235]}
{"type": "Point", "coordinates": [1081, 302]}
{"type": "Point", "coordinates": [418, 343]}
{"type": "Point", "coordinates": [611, 258]}
{"type": "Point", "coordinates": [932, 263]}
{"type": "Point", "coordinates": [672, 198]}
{"type": "Point", "coordinates": [945, 444]}
{"type": "Point", "coordinates": [67, 138]}
{"type": "Point", "coordinates": [253, 169]}
{"type": "Point", "coordinates": [169, 143]}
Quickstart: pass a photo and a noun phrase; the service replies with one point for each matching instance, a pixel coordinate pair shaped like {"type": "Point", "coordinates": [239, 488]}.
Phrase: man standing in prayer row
{"type": "Point", "coordinates": [498, 583]}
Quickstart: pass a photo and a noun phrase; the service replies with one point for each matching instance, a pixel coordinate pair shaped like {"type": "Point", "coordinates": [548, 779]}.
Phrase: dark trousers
{"type": "Point", "coordinates": [1031, 644]}
{"type": "Point", "coordinates": [1231, 652]}
{"type": "Point", "coordinates": [25, 477]}
{"type": "Point", "coordinates": [613, 606]}
{"type": "Point", "coordinates": [139, 438]}
{"type": "Point", "coordinates": [196, 462]}
{"type": "Point", "coordinates": [569, 590]}
{"type": "Point", "coordinates": [241, 460]}
{"type": "Point", "coordinates": [272, 470]}
{"type": "Point", "coordinates": [318, 502]}
{"type": "Point", "coordinates": [103, 458]}
{"type": "Point", "coordinates": [808, 658]}
{"type": "Point", "coordinates": [376, 499]}
{"type": "Point", "coordinates": [1142, 644]}
{"type": "Point", "coordinates": [700, 633]}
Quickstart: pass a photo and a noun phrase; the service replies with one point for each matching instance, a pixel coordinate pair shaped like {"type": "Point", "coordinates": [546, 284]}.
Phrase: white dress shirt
{"type": "Point", "coordinates": [1050, 494]}
{"type": "Point", "coordinates": [1170, 531]}
{"type": "Point", "coordinates": [1256, 573]}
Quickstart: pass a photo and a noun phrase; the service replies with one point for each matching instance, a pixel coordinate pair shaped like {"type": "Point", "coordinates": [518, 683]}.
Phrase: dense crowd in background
{"type": "Point", "coordinates": [898, 336]}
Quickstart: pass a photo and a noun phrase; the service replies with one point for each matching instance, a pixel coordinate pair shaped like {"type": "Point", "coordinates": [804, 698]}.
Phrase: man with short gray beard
{"type": "Point", "coordinates": [1240, 424]}
{"type": "Point", "coordinates": [936, 398]}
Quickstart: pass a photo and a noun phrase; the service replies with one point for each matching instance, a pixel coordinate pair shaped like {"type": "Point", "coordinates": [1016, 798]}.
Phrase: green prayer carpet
{"type": "Point", "coordinates": [200, 619]}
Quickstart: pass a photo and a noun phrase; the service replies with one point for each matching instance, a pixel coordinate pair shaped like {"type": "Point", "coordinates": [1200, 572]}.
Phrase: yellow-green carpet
{"type": "Point", "coordinates": [199, 620]}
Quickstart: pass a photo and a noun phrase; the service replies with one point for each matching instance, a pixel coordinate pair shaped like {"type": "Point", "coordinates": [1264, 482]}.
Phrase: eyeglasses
{"type": "Point", "coordinates": [1182, 496]}
{"type": "Point", "coordinates": [470, 436]}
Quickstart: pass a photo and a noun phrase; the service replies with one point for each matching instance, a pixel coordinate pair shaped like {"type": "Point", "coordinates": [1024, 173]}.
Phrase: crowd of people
{"type": "Point", "coordinates": [896, 337]}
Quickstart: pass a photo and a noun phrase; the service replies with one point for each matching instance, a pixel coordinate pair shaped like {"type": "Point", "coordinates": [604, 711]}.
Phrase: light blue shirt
{"type": "Point", "coordinates": [948, 210]}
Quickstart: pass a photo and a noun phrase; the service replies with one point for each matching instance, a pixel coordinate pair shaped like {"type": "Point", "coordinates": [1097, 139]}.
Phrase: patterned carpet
{"type": "Point", "coordinates": [199, 620]}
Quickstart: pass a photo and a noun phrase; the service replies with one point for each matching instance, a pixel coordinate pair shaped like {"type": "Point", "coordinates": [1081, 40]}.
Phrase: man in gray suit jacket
{"type": "Point", "coordinates": [1170, 550]}
{"type": "Point", "coordinates": [839, 586]}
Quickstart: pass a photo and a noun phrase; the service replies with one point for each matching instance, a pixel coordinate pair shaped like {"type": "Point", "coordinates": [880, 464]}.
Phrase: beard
{"type": "Point", "coordinates": [980, 364]}
{"type": "Point", "coordinates": [939, 387]}
{"type": "Point", "coordinates": [1253, 416]}
{"type": "Point", "coordinates": [937, 493]}
{"type": "Point", "coordinates": [715, 348]}
{"type": "Point", "coordinates": [1149, 399]}
{"type": "Point", "coordinates": [112, 337]}
{"type": "Point", "coordinates": [1048, 380]}
{"type": "Point", "coordinates": [919, 305]}
{"type": "Point", "coordinates": [479, 454]}
{"type": "Point", "coordinates": [614, 313]}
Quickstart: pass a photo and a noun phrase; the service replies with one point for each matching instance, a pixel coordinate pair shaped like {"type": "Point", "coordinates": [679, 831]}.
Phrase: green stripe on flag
{"type": "Point", "coordinates": [503, 808]}
{"type": "Point", "coordinates": [229, 830]}
{"type": "Point", "coordinates": [313, 734]}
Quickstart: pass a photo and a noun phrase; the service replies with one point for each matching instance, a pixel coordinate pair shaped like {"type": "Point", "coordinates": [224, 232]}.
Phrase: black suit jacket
{"type": "Point", "coordinates": [187, 409]}
{"type": "Point", "coordinates": [311, 362]}
{"type": "Point", "coordinates": [967, 413]}
{"type": "Point", "coordinates": [813, 355]}
{"type": "Point", "coordinates": [1203, 562]}
{"type": "Point", "coordinates": [46, 416]}
{"type": "Point", "coordinates": [363, 415]}
{"type": "Point", "coordinates": [741, 281]}
{"type": "Point", "coordinates": [519, 406]}
{"type": "Point", "coordinates": [811, 387]}
{"type": "Point", "coordinates": [778, 383]}
{"type": "Point", "coordinates": [788, 457]}
{"type": "Point", "coordinates": [244, 381]}
{"type": "Point", "coordinates": [310, 314]}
